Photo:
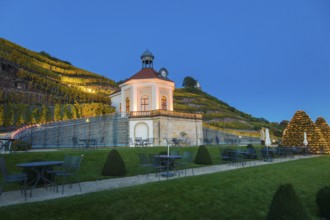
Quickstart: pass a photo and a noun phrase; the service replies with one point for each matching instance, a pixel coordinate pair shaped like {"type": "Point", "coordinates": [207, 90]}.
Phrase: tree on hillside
{"type": "Point", "coordinates": [189, 82]}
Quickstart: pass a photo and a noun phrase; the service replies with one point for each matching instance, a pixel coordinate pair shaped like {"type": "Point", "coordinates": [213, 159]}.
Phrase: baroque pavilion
{"type": "Point", "coordinates": [146, 99]}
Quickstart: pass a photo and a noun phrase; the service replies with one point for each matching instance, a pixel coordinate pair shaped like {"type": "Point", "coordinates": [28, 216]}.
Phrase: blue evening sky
{"type": "Point", "coordinates": [268, 58]}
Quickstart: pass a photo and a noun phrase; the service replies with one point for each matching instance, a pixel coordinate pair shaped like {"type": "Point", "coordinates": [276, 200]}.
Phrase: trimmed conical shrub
{"type": "Point", "coordinates": [323, 201]}
{"type": "Point", "coordinates": [325, 130]}
{"type": "Point", "coordinates": [293, 135]}
{"type": "Point", "coordinates": [203, 156]}
{"type": "Point", "coordinates": [114, 165]}
{"type": "Point", "coordinates": [286, 205]}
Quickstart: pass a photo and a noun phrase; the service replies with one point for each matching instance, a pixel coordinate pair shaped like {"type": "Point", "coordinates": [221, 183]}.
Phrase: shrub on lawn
{"type": "Point", "coordinates": [323, 201]}
{"type": "Point", "coordinates": [286, 205]}
{"type": "Point", "coordinates": [114, 165]}
{"type": "Point", "coordinates": [249, 146]}
{"type": "Point", "coordinates": [19, 145]}
{"type": "Point", "coordinates": [203, 156]}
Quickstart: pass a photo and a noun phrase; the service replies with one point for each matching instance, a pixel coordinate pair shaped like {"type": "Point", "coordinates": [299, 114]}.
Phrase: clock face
{"type": "Point", "coordinates": [163, 72]}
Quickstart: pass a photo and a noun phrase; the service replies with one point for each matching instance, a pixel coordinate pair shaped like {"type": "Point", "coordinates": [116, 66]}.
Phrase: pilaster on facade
{"type": "Point", "coordinates": [170, 98]}
{"type": "Point", "coordinates": [134, 99]}
{"type": "Point", "coordinates": [155, 97]}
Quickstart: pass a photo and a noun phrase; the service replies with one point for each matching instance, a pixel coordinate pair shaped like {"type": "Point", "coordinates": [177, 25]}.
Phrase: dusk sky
{"type": "Point", "coordinates": [268, 58]}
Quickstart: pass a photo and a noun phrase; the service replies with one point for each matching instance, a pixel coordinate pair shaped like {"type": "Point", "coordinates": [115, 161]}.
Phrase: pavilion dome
{"type": "Point", "coordinates": [147, 53]}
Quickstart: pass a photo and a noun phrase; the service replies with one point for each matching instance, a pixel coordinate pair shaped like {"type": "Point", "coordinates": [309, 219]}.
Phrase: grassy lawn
{"type": "Point", "coordinates": [238, 194]}
{"type": "Point", "coordinates": [93, 161]}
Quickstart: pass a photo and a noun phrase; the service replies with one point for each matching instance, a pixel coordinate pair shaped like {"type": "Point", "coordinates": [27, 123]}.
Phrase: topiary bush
{"type": "Point", "coordinates": [286, 205]}
{"type": "Point", "coordinates": [203, 156]}
{"type": "Point", "coordinates": [249, 146]}
{"type": "Point", "coordinates": [323, 201]}
{"type": "Point", "coordinates": [114, 165]}
{"type": "Point", "coordinates": [19, 145]}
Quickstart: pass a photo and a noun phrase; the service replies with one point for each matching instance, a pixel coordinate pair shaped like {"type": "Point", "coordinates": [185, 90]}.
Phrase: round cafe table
{"type": "Point", "coordinates": [39, 168]}
{"type": "Point", "coordinates": [168, 163]}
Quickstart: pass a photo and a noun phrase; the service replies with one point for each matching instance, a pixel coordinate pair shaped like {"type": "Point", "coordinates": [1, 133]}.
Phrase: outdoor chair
{"type": "Point", "coordinates": [76, 143]}
{"type": "Point", "coordinates": [70, 168]}
{"type": "Point", "coordinates": [148, 142]}
{"type": "Point", "coordinates": [236, 158]}
{"type": "Point", "coordinates": [176, 142]}
{"type": "Point", "coordinates": [305, 151]}
{"type": "Point", "coordinates": [251, 153]}
{"type": "Point", "coordinates": [138, 142]}
{"type": "Point", "coordinates": [174, 152]}
{"type": "Point", "coordinates": [208, 141]}
{"type": "Point", "coordinates": [102, 142]}
{"type": "Point", "coordinates": [145, 164]}
{"type": "Point", "coordinates": [10, 178]}
{"type": "Point", "coordinates": [187, 159]}
{"type": "Point", "coordinates": [283, 152]}
{"type": "Point", "coordinates": [267, 155]}
{"type": "Point", "coordinates": [156, 164]}
{"type": "Point", "coordinates": [224, 154]}
{"type": "Point", "coordinates": [168, 142]}
{"type": "Point", "coordinates": [185, 141]}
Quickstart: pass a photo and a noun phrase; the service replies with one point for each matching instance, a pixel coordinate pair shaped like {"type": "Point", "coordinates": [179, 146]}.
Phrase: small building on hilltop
{"type": "Point", "coordinates": [146, 99]}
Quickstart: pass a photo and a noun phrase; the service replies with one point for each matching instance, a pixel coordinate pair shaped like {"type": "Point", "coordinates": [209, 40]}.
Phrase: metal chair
{"type": "Point", "coordinates": [187, 158]}
{"type": "Point", "coordinates": [148, 142]}
{"type": "Point", "coordinates": [224, 154]}
{"type": "Point", "coordinates": [144, 164]}
{"type": "Point", "coordinates": [236, 158]}
{"type": "Point", "coordinates": [10, 178]}
{"type": "Point", "coordinates": [138, 142]}
{"type": "Point", "coordinates": [102, 142]}
{"type": "Point", "coordinates": [156, 164]}
{"type": "Point", "coordinates": [70, 168]}
{"type": "Point", "coordinates": [76, 143]}
{"type": "Point", "coordinates": [267, 155]}
{"type": "Point", "coordinates": [174, 152]}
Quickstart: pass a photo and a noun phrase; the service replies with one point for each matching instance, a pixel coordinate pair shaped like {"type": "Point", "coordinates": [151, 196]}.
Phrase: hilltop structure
{"type": "Point", "coordinates": [146, 98]}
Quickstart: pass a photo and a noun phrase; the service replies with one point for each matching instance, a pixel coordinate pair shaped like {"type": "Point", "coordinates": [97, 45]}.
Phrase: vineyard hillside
{"type": "Point", "coordinates": [36, 83]}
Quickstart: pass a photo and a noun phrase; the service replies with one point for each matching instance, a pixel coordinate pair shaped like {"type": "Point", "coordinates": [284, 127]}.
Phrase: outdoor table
{"type": "Point", "coordinates": [89, 142]}
{"type": "Point", "coordinates": [168, 163]}
{"type": "Point", "coordinates": [242, 152]}
{"type": "Point", "coordinates": [141, 142]}
{"type": "Point", "coordinates": [6, 142]}
{"type": "Point", "coordinates": [40, 169]}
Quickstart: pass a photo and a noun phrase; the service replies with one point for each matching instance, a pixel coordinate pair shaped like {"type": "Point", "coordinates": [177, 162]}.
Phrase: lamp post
{"type": "Point", "coordinates": [89, 128]}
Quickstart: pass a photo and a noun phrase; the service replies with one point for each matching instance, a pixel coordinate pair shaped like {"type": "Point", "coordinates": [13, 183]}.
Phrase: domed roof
{"type": "Point", "coordinates": [147, 53]}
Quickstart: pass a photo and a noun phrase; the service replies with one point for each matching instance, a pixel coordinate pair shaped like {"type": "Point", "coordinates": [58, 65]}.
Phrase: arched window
{"type": "Point", "coordinates": [127, 104]}
{"type": "Point", "coordinates": [144, 103]}
{"type": "Point", "coordinates": [164, 103]}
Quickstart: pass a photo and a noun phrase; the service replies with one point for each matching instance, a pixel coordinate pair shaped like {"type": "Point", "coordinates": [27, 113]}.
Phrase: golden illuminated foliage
{"type": "Point", "coordinates": [325, 129]}
{"type": "Point", "coordinates": [293, 135]}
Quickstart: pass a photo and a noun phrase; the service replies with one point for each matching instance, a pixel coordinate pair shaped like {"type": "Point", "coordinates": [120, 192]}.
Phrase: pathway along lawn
{"type": "Point", "coordinates": [237, 194]}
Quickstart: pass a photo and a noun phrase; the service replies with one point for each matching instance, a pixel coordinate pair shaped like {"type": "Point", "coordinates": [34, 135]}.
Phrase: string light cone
{"type": "Point", "coordinates": [293, 135]}
{"type": "Point", "coordinates": [325, 130]}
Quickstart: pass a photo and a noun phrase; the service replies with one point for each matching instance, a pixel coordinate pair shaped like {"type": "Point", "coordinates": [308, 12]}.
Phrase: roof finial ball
{"type": "Point", "coordinates": [147, 59]}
